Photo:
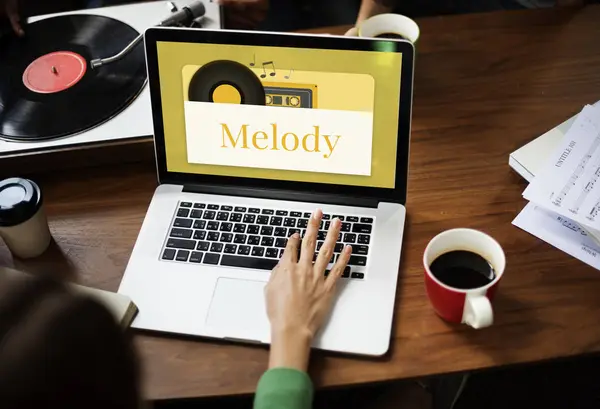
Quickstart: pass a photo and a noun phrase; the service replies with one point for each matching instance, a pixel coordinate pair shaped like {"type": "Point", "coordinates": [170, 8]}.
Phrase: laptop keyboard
{"type": "Point", "coordinates": [252, 237]}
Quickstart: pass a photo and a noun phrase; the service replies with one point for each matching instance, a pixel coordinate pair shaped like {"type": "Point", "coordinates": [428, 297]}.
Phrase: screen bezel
{"type": "Point", "coordinates": [182, 35]}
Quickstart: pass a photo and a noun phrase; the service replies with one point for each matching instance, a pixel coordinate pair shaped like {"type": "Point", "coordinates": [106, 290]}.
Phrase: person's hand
{"type": "Point", "coordinates": [299, 296]}
{"type": "Point", "coordinates": [370, 8]}
{"type": "Point", "coordinates": [10, 9]}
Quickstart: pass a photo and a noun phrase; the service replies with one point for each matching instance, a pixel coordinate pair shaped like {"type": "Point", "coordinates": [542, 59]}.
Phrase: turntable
{"type": "Point", "coordinates": [58, 100]}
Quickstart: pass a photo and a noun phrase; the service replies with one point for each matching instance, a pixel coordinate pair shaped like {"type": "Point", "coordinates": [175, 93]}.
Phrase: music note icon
{"type": "Point", "coordinates": [253, 63]}
{"type": "Point", "coordinates": [287, 77]}
{"type": "Point", "coordinates": [264, 74]}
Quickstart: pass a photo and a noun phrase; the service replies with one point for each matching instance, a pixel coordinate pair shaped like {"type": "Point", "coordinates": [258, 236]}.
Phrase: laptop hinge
{"type": "Point", "coordinates": [280, 194]}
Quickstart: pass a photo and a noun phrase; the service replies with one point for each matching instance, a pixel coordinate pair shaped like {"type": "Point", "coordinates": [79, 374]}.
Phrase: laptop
{"type": "Point", "coordinates": [253, 132]}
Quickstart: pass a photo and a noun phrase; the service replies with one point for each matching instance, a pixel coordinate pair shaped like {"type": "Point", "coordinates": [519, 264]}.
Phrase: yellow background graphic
{"type": "Point", "coordinates": [346, 80]}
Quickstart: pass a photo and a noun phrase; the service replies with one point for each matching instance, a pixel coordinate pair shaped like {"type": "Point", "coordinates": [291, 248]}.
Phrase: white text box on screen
{"type": "Point", "coordinates": [301, 139]}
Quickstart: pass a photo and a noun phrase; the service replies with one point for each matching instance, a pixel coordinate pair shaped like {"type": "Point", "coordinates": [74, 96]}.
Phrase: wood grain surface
{"type": "Point", "coordinates": [485, 85]}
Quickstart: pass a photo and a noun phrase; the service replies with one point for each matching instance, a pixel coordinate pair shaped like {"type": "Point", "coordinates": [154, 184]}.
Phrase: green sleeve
{"type": "Point", "coordinates": [284, 388]}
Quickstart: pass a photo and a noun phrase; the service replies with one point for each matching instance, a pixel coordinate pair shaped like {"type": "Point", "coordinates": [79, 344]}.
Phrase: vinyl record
{"type": "Point", "coordinates": [47, 86]}
{"type": "Point", "coordinates": [240, 83]}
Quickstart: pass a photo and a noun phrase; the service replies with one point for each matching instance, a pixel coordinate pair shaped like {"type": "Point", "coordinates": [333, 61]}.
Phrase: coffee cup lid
{"type": "Point", "coordinates": [20, 199]}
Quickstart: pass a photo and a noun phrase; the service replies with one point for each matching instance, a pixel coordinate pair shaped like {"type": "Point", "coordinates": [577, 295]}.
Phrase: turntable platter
{"type": "Point", "coordinates": [47, 86]}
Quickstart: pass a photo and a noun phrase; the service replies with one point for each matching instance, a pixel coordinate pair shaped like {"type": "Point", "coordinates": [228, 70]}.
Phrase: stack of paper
{"type": "Point", "coordinates": [529, 159]}
{"type": "Point", "coordinates": [565, 193]}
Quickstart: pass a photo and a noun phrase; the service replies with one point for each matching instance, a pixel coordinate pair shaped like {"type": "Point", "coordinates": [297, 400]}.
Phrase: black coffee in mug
{"type": "Point", "coordinates": [463, 269]}
{"type": "Point", "coordinates": [390, 35]}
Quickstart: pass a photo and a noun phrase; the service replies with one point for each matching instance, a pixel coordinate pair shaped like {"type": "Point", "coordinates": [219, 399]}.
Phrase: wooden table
{"type": "Point", "coordinates": [485, 85]}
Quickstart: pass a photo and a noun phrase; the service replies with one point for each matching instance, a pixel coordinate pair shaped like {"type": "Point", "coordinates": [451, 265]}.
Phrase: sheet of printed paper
{"type": "Point", "coordinates": [569, 183]}
{"type": "Point", "coordinates": [560, 232]}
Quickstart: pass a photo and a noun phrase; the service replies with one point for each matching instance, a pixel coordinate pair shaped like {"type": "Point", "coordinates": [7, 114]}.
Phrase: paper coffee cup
{"type": "Point", "coordinates": [23, 223]}
{"type": "Point", "coordinates": [389, 23]}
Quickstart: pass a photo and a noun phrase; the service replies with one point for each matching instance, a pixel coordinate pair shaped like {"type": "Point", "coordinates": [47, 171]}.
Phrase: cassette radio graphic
{"type": "Point", "coordinates": [290, 95]}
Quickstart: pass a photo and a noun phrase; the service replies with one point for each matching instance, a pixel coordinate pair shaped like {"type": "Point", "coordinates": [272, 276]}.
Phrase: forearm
{"type": "Point", "coordinates": [370, 8]}
{"type": "Point", "coordinates": [290, 349]}
{"type": "Point", "coordinates": [286, 384]}
{"type": "Point", "coordinates": [284, 388]}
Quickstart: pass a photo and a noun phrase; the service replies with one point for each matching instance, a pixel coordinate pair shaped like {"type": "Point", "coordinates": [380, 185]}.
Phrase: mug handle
{"type": "Point", "coordinates": [478, 312]}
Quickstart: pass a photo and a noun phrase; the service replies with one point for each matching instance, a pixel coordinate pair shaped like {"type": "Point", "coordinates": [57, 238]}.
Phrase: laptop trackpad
{"type": "Point", "coordinates": [237, 310]}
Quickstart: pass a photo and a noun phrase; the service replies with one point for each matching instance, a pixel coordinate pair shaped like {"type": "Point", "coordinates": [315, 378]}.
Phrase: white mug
{"type": "Point", "coordinates": [387, 23]}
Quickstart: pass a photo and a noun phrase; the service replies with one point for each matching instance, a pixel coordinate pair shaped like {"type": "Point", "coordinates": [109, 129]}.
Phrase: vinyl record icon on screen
{"type": "Point", "coordinates": [226, 81]}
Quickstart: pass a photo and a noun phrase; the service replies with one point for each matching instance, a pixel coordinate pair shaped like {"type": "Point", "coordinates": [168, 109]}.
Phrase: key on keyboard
{"type": "Point", "coordinates": [196, 257]}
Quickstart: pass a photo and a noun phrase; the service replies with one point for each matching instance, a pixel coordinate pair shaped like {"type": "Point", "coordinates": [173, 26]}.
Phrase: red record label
{"type": "Point", "coordinates": [54, 72]}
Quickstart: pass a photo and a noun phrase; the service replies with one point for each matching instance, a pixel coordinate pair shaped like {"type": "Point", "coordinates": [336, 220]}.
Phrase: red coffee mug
{"type": "Point", "coordinates": [472, 306]}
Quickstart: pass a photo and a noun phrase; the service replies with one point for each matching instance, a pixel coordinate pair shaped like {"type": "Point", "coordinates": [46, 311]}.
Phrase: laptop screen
{"type": "Point", "coordinates": [280, 113]}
